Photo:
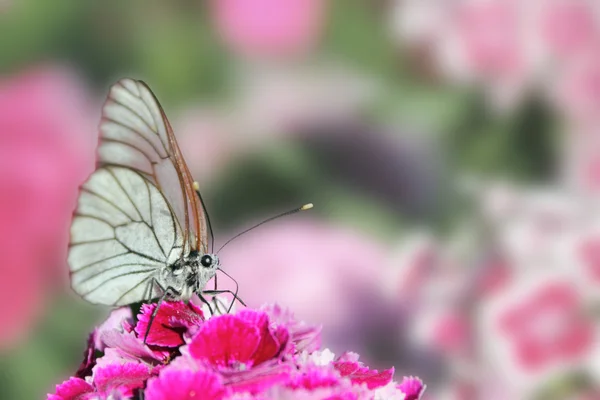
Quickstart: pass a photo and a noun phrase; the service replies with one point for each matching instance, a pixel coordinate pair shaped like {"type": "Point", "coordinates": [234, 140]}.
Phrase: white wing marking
{"type": "Point", "coordinates": [137, 189]}
{"type": "Point", "coordinates": [104, 185]}
{"type": "Point", "coordinates": [122, 234]}
{"type": "Point", "coordinates": [166, 170]}
{"type": "Point", "coordinates": [96, 281]}
{"type": "Point", "coordinates": [116, 153]}
{"type": "Point", "coordinates": [170, 233]}
{"type": "Point", "coordinates": [95, 207]}
{"type": "Point", "coordinates": [86, 229]}
{"type": "Point", "coordinates": [138, 237]}
{"type": "Point", "coordinates": [89, 253]}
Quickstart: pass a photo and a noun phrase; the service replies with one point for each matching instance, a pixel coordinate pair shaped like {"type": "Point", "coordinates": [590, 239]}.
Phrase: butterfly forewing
{"type": "Point", "coordinates": [123, 231]}
{"type": "Point", "coordinates": [135, 133]}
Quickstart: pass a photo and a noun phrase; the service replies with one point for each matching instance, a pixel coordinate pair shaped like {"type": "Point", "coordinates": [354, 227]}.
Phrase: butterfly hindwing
{"type": "Point", "coordinates": [123, 232]}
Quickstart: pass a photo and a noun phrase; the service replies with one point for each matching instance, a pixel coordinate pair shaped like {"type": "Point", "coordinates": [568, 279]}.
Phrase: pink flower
{"type": "Point", "coordinates": [451, 333]}
{"type": "Point", "coordinates": [489, 32]}
{"type": "Point", "coordinates": [548, 327]}
{"type": "Point", "coordinates": [238, 341]}
{"type": "Point", "coordinates": [476, 41]}
{"type": "Point", "coordinates": [46, 151]}
{"type": "Point", "coordinates": [412, 387]}
{"type": "Point", "coordinates": [118, 338]}
{"type": "Point", "coordinates": [245, 355]}
{"type": "Point", "coordinates": [347, 365]}
{"type": "Point", "coordinates": [568, 26]}
{"type": "Point", "coordinates": [313, 377]}
{"type": "Point", "coordinates": [245, 348]}
{"type": "Point", "coordinates": [302, 337]}
{"type": "Point", "coordinates": [577, 88]}
{"type": "Point", "coordinates": [110, 382]}
{"type": "Point", "coordinates": [589, 252]}
{"type": "Point", "coordinates": [172, 321]}
{"type": "Point", "coordinates": [172, 384]}
{"type": "Point", "coordinates": [122, 378]}
{"type": "Point", "coordinates": [269, 27]}
{"type": "Point", "coordinates": [72, 389]}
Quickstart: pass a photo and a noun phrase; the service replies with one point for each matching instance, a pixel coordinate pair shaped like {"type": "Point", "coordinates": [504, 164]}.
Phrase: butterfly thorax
{"type": "Point", "coordinates": [190, 274]}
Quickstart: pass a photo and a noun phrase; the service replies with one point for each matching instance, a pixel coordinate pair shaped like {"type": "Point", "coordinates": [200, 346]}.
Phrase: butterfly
{"type": "Point", "coordinates": [140, 230]}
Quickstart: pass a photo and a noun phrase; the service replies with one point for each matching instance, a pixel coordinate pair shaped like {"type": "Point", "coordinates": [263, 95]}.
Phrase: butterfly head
{"type": "Point", "coordinates": [210, 261]}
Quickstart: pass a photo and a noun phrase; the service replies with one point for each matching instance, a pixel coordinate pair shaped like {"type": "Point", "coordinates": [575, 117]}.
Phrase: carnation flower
{"type": "Point", "coordinates": [250, 354]}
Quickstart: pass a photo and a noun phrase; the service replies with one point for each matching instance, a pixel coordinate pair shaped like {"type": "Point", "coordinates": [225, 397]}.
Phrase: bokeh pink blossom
{"type": "Point", "coordinates": [269, 28]}
{"type": "Point", "coordinates": [47, 145]}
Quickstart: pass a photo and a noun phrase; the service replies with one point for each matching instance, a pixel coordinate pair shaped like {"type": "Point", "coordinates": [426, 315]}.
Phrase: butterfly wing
{"type": "Point", "coordinates": [135, 133]}
{"type": "Point", "coordinates": [123, 232]}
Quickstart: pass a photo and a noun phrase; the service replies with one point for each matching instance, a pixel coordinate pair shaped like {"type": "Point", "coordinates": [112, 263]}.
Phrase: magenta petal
{"type": "Point", "coordinates": [225, 340]}
{"type": "Point", "coordinates": [257, 379]}
{"type": "Point", "coordinates": [373, 378]}
{"type": "Point", "coordinates": [314, 377]}
{"type": "Point", "coordinates": [412, 387]}
{"type": "Point", "coordinates": [303, 337]}
{"type": "Point", "coordinates": [122, 377]}
{"type": "Point", "coordinates": [130, 346]}
{"type": "Point", "coordinates": [346, 367]}
{"type": "Point", "coordinates": [115, 322]}
{"type": "Point", "coordinates": [183, 385]}
{"type": "Point", "coordinates": [349, 366]}
{"type": "Point", "coordinates": [283, 337]}
{"type": "Point", "coordinates": [343, 396]}
{"type": "Point", "coordinates": [269, 346]}
{"type": "Point", "coordinates": [172, 320]}
{"type": "Point", "coordinates": [72, 389]}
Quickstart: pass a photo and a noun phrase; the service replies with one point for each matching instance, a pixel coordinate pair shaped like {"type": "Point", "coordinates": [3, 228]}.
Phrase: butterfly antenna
{"type": "Point", "coordinates": [294, 211]}
{"type": "Point", "coordinates": [210, 229]}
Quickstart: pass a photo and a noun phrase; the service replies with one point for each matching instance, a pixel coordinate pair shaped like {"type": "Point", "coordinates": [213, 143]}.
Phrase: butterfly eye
{"type": "Point", "coordinates": [206, 261]}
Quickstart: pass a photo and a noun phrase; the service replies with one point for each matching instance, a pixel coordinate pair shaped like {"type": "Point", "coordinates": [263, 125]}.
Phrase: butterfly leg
{"type": "Point", "coordinates": [169, 291]}
{"type": "Point", "coordinates": [202, 299]}
{"type": "Point", "coordinates": [218, 303]}
{"type": "Point", "coordinates": [235, 297]}
{"type": "Point", "coordinates": [149, 289]}
{"type": "Point", "coordinates": [148, 296]}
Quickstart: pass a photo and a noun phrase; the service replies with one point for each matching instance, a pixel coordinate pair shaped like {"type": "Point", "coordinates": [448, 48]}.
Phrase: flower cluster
{"type": "Point", "coordinates": [250, 354]}
{"type": "Point", "coordinates": [516, 305]}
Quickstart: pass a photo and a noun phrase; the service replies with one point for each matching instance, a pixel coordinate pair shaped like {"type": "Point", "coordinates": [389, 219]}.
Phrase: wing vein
{"type": "Point", "coordinates": [135, 131]}
{"type": "Point", "coordinates": [98, 262]}
{"type": "Point", "coordinates": [91, 241]}
{"type": "Point", "coordinates": [131, 290]}
{"type": "Point", "coordinates": [89, 278]}
{"type": "Point", "coordinates": [110, 171]}
{"type": "Point", "coordinates": [98, 195]}
{"type": "Point", "coordinates": [104, 282]}
{"type": "Point", "coordinates": [137, 114]}
{"type": "Point", "coordinates": [78, 214]}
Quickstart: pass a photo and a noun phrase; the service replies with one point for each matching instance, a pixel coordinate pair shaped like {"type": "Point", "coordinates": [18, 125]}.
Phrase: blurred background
{"type": "Point", "coordinates": [451, 149]}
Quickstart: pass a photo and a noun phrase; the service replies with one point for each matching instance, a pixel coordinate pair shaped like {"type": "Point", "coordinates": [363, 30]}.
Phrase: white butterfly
{"type": "Point", "coordinates": [139, 231]}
